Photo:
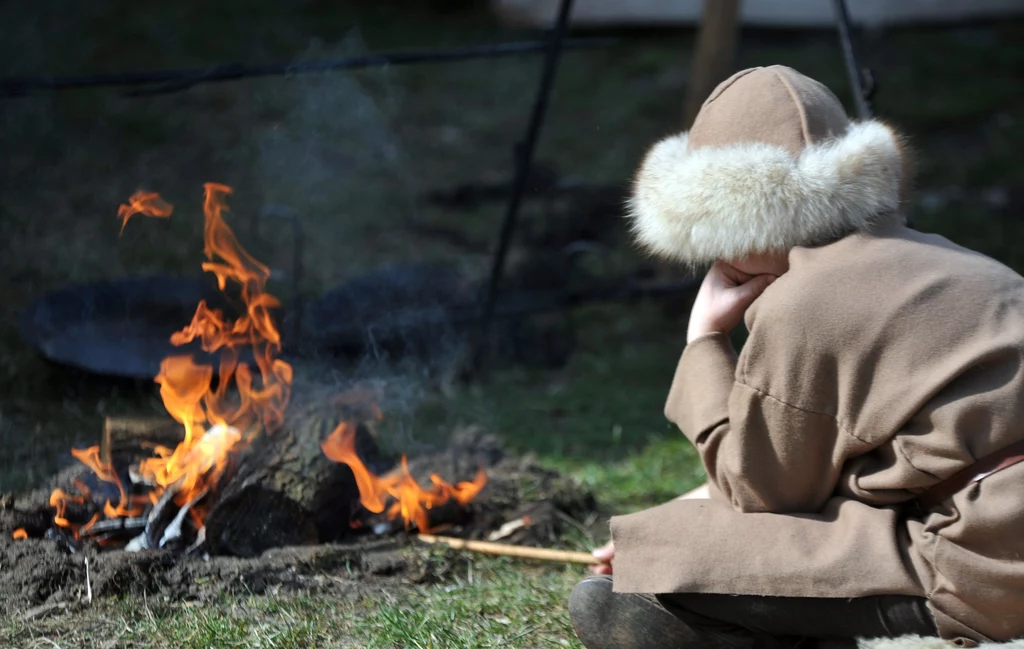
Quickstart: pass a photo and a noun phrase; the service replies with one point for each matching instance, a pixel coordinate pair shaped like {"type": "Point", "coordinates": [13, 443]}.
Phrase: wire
{"type": "Point", "coordinates": [160, 82]}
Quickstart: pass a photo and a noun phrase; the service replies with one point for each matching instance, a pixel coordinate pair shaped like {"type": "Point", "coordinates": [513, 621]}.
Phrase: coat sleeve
{"type": "Point", "coordinates": [762, 454]}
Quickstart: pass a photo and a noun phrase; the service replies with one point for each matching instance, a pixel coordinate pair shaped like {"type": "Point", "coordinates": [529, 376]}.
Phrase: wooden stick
{"type": "Point", "coordinates": [505, 549]}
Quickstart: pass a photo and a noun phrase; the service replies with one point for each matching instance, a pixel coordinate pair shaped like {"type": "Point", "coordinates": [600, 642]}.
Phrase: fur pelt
{"type": "Point", "coordinates": [727, 202]}
{"type": "Point", "coordinates": [917, 642]}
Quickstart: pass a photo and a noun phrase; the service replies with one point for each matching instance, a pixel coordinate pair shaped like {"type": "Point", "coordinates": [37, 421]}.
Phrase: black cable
{"type": "Point", "coordinates": [177, 80]}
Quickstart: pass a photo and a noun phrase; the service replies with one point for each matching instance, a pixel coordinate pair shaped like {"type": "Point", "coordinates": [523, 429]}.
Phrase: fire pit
{"type": "Point", "coordinates": [523, 504]}
{"type": "Point", "coordinates": [239, 468]}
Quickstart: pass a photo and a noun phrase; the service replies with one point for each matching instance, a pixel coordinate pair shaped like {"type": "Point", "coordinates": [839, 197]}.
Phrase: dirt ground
{"type": "Point", "coordinates": [41, 575]}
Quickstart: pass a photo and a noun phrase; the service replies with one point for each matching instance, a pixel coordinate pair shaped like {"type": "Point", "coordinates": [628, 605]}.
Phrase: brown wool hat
{"type": "Point", "coordinates": [772, 162]}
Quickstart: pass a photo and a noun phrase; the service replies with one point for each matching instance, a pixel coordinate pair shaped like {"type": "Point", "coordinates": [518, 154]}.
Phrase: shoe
{"type": "Point", "coordinates": [606, 620]}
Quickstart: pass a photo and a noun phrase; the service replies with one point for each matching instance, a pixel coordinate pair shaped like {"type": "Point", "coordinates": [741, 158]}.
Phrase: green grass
{"type": "Point", "coordinates": [658, 472]}
{"type": "Point", "coordinates": [256, 622]}
{"type": "Point", "coordinates": [494, 603]}
{"type": "Point", "coordinates": [490, 603]}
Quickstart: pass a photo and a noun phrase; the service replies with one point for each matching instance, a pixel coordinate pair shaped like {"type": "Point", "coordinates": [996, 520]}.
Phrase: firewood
{"type": "Point", "coordinates": [161, 515]}
{"type": "Point", "coordinates": [174, 533]}
{"type": "Point", "coordinates": [126, 439]}
{"type": "Point", "coordinates": [284, 491]}
{"type": "Point", "coordinates": [126, 525]}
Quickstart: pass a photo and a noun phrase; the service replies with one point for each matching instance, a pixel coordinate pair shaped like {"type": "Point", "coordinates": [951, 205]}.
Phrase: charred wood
{"type": "Point", "coordinates": [64, 540]}
{"type": "Point", "coordinates": [176, 536]}
{"type": "Point", "coordinates": [285, 492]}
{"type": "Point", "coordinates": [161, 515]}
{"type": "Point", "coordinates": [130, 525]}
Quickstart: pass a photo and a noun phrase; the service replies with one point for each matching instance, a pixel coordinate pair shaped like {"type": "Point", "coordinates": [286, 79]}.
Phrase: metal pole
{"type": "Point", "coordinates": [524, 159]}
{"type": "Point", "coordinates": [861, 91]}
{"type": "Point", "coordinates": [861, 80]}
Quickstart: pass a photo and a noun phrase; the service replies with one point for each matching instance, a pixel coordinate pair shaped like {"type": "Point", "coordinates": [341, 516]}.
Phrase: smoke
{"type": "Point", "coordinates": [328, 154]}
{"type": "Point", "coordinates": [328, 149]}
{"type": "Point", "coordinates": [325, 150]}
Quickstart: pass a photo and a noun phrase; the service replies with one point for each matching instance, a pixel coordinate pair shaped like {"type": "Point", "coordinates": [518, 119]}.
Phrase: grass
{"type": "Point", "coordinates": [352, 153]}
{"type": "Point", "coordinates": [491, 603]}
{"type": "Point", "coordinates": [256, 622]}
{"type": "Point", "coordinates": [495, 603]}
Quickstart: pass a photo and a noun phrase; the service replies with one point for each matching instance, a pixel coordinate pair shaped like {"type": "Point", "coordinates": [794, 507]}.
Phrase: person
{"type": "Point", "coordinates": [865, 449]}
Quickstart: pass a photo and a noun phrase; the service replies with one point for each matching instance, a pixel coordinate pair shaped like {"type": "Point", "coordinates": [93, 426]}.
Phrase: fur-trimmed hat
{"type": "Point", "coordinates": [772, 162]}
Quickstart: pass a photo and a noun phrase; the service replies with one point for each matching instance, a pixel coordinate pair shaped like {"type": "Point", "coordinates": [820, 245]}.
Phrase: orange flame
{"type": "Point", "coordinates": [215, 419]}
{"type": "Point", "coordinates": [91, 458]}
{"type": "Point", "coordinates": [254, 329]}
{"type": "Point", "coordinates": [186, 386]}
{"type": "Point", "coordinates": [144, 203]}
{"type": "Point", "coordinates": [411, 501]}
{"type": "Point", "coordinates": [19, 534]}
{"type": "Point", "coordinates": [59, 500]}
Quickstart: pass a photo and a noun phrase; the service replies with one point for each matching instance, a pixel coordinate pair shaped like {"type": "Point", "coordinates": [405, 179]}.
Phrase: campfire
{"type": "Point", "coordinates": [178, 495]}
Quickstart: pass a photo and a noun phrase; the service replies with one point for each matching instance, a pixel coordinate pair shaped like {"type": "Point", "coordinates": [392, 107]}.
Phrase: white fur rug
{"type": "Point", "coordinates": [917, 642]}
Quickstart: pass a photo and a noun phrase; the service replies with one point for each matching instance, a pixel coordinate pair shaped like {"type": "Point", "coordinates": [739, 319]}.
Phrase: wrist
{"type": "Point", "coordinates": [700, 329]}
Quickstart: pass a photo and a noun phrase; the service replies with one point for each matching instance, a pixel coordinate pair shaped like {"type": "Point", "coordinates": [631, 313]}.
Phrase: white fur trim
{"type": "Point", "coordinates": [917, 642]}
{"type": "Point", "coordinates": [727, 202]}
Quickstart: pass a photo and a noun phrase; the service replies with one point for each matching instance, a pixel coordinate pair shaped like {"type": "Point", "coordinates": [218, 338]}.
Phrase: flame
{"type": "Point", "coordinates": [192, 467]}
{"type": "Point", "coordinates": [126, 506]}
{"type": "Point", "coordinates": [144, 203]}
{"type": "Point", "coordinates": [216, 419]}
{"type": "Point", "coordinates": [411, 501]}
{"type": "Point", "coordinates": [254, 329]}
{"type": "Point", "coordinates": [59, 500]}
{"type": "Point", "coordinates": [19, 534]}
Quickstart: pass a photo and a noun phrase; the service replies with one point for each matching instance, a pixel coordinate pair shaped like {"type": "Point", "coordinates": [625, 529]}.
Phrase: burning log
{"type": "Point", "coordinates": [399, 496]}
{"type": "Point", "coordinates": [286, 492]}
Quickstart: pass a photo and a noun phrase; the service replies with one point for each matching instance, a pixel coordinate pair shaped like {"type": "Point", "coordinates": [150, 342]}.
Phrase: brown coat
{"type": "Point", "coordinates": [879, 365]}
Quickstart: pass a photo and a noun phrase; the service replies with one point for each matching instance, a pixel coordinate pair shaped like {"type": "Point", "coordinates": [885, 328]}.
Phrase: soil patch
{"type": "Point", "coordinates": [523, 503]}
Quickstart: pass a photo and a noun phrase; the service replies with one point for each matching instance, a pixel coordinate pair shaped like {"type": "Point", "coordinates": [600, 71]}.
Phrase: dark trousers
{"type": "Point", "coordinates": [882, 616]}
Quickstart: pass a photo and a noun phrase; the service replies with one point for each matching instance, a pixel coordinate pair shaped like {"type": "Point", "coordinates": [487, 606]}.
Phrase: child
{"type": "Point", "coordinates": [865, 451]}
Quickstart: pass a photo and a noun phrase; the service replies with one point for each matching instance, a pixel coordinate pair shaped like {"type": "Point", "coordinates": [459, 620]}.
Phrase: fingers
{"type": "Point", "coordinates": [751, 290]}
{"type": "Point", "coordinates": [720, 304]}
{"type": "Point", "coordinates": [733, 275]}
{"type": "Point", "coordinates": [605, 553]}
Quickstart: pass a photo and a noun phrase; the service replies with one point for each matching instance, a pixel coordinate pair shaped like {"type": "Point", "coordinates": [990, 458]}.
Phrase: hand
{"type": "Point", "coordinates": [723, 298]}
{"type": "Point", "coordinates": [605, 554]}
